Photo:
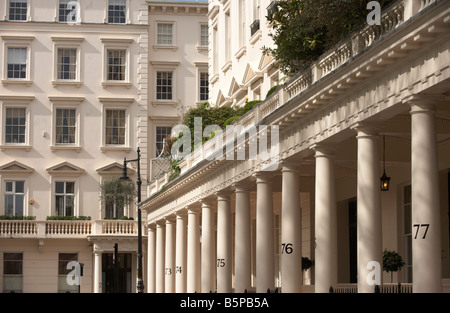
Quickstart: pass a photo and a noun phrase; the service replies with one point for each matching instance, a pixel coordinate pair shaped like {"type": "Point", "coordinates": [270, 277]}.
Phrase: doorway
{"type": "Point", "coordinates": [353, 241]}
{"type": "Point", "coordinates": [120, 277]}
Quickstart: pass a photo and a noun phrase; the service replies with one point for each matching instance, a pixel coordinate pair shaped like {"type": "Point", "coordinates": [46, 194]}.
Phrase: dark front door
{"type": "Point", "coordinates": [116, 279]}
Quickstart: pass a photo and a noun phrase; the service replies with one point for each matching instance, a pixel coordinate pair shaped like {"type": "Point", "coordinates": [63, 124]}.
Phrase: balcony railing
{"type": "Point", "coordinates": [254, 27]}
{"type": "Point", "coordinates": [66, 229]}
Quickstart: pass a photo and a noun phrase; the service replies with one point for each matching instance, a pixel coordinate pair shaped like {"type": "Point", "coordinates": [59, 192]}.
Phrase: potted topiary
{"type": "Point", "coordinates": [392, 262]}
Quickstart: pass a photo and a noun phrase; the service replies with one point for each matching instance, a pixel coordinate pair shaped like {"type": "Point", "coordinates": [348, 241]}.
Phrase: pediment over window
{"type": "Point", "coordinates": [235, 88]}
{"type": "Point", "coordinates": [114, 169]}
{"type": "Point", "coordinates": [250, 76]}
{"type": "Point", "coordinates": [65, 169]}
{"type": "Point", "coordinates": [265, 61]}
{"type": "Point", "coordinates": [15, 167]}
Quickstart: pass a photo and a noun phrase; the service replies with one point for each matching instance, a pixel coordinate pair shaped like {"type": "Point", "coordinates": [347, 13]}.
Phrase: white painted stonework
{"type": "Point", "coordinates": [390, 81]}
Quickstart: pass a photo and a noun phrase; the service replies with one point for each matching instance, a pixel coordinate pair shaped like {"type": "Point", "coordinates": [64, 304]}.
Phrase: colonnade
{"type": "Point", "coordinates": [182, 260]}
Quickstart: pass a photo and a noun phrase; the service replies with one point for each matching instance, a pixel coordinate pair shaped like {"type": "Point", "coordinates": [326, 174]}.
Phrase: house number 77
{"type": "Point", "coordinates": [418, 226]}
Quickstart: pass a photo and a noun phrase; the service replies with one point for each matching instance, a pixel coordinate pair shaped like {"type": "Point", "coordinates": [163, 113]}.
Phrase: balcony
{"type": "Point", "coordinates": [16, 229]}
{"type": "Point", "coordinates": [254, 27]}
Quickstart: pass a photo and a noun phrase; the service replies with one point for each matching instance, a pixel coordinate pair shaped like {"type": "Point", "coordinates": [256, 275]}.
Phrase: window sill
{"type": "Point", "coordinates": [15, 147]}
{"type": "Point", "coordinates": [66, 148]}
{"type": "Point", "coordinates": [116, 84]}
{"type": "Point", "coordinates": [165, 102]}
{"type": "Point", "coordinates": [16, 82]}
{"type": "Point", "coordinates": [163, 47]}
{"type": "Point", "coordinates": [115, 148]}
{"type": "Point", "coordinates": [240, 52]}
{"type": "Point", "coordinates": [227, 66]}
{"type": "Point", "coordinates": [256, 36]}
{"type": "Point", "coordinates": [57, 83]}
{"type": "Point", "coordinates": [202, 48]}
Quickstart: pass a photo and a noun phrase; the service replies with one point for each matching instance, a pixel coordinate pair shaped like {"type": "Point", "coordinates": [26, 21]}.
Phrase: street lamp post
{"type": "Point", "coordinates": [140, 284]}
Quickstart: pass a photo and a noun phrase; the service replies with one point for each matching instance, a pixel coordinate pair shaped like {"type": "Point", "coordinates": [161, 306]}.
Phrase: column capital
{"type": "Point", "coordinates": [263, 177]}
{"type": "Point", "coordinates": [367, 129]}
{"type": "Point", "coordinates": [323, 150]}
{"type": "Point", "coordinates": [170, 219]}
{"type": "Point", "coordinates": [223, 195]}
{"type": "Point", "coordinates": [290, 166]}
{"type": "Point", "coordinates": [242, 186]}
{"type": "Point", "coordinates": [208, 201]}
{"type": "Point", "coordinates": [422, 103]}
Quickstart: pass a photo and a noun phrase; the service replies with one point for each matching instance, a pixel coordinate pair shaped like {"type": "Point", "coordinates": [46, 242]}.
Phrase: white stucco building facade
{"type": "Point", "coordinates": [378, 100]}
{"type": "Point", "coordinates": [77, 96]}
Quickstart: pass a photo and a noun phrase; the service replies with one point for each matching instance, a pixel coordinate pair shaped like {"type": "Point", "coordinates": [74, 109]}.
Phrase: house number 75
{"type": "Point", "coordinates": [418, 226]}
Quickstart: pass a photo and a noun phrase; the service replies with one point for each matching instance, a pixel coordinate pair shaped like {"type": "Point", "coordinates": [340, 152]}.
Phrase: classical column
{"type": "Point", "coordinates": [97, 271]}
{"type": "Point", "coordinates": [291, 229]}
{"type": "Point", "coordinates": [242, 237]}
{"type": "Point", "coordinates": [426, 230]}
{"type": "Point", "coordinates": [224, 256]}
{"type": "Point", "coordinates": [151, 242]}
{"type": "Point", "coordinates": [325, 220]}
{"type": "Point", "coordinates": [193, 251]}
{"type": "Point", "coordinates": [169, 268]}
{"type": "Point", "coordinates": [160, 254]}
{"type": "Point", "coordinates": [208, 282]}
{"type": "Point", "coordinates": [181, 254]}
{"type": "Point", "coordinates": [265, 270]}
{"type": "Point", "coordinates": [369, 248]}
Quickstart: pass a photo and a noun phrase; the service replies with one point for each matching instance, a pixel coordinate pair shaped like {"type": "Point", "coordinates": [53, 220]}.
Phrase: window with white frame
{"type": "Point", "coordinates": [12, 272]}
{"type": "Point", "coordinates": [17, 63]}
{"type": "Point", "coordinates": [66, 64]}
{"type": "Point", "coordinates": [164, 85]}
{"type": "Point", "coordinates": [18, 10]}
{"type": "Point", "coordinates": [164, 33]}
{"type": "Point", "coordinates": [64, 269]}
{"type": "Point", "coordinates": [161, 133]}
{"type": "Point", "coordinates": [115, 128]}
{"type": "Point", "coordinates": [116, 66]}
{"type": "Point", "coordinates": [15, 125]}
{"type": "Point", "coordinates": [14, 198]}
{"type": "Point", "coordinates": [117, 11]}
{"type": "Point", "coordinates": [65, 126]}
{"type": "Point", "coordinates": [204, 40]}
{"type": "Point", "coordinates": [204, 86]}
{"type": "Point", "coordinates": [66, 8]}
{"type": "Point", "coordinates": [65, 198]}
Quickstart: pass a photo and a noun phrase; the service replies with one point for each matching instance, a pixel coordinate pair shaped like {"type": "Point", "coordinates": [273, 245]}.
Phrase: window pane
{"type": "Point", "coordinates": [116, 11]}
{"type": "Point", "coordinates": [67, 63]}
{"type": "Point", "coordinates": [70, 188]}
{"type": "Point", "coordinates": [12, 263]}
{"type": "Point", "coordinates": [59, 187]}
{"type": "Point", "coordinates": [164, 85]}
{"type": "Point", "coordinates": [17, 63]}
{"type": "Point", "coordinates": [17, 10]}
{"type": "Point", "coordinates": [115, 127]}
{"type": "Point", "coordinates": [20, 186]}
{"type": "Point", "coordinates": [116, 64]}
{"type": "Point", "coordinates": [15, 125]}
{"type": "Point", "coordinates": [9, 186]}
{"type": "Point", "coordinates": [18, 205]}
{"type": "Point", "coordinates": [9, 205]}
{"type": "Point", "coordinates": [161, 133]}
{"type": "Point", "coordinates": [64, 259]}
{"type": "Point", "coordinates": [69, 206]}
{"type": "Point", "coordinates": [65, 126]}
{"type": "Point", "coordinates": [164, 34]}
{"type": "Point", "coordinates": [59, 205]}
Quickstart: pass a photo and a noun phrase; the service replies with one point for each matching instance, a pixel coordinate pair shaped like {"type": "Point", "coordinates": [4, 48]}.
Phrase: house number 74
{"type": "Point", "coordinates": [418, 226]}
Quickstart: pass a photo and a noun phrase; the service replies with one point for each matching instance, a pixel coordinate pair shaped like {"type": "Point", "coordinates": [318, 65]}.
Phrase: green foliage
{"type": "Point", "coordinates": [175, 170]}
{"type": "Point", "coordinates": [392, 262]}
{"type": "Point", "coordinates": [123, 218]}
{"type": "Point", "coordinates": [271, 91]}
{"type": "Point", "coordinates": [17, 217]}
{"type": "Point", "coordinates": [68, 218]}
{"type": "Point", "coordinates": [306, 263]}
{"type": "Point", "coordinates": [304, 29]}
{"type": "Point", "coordinates": [114, 191]}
